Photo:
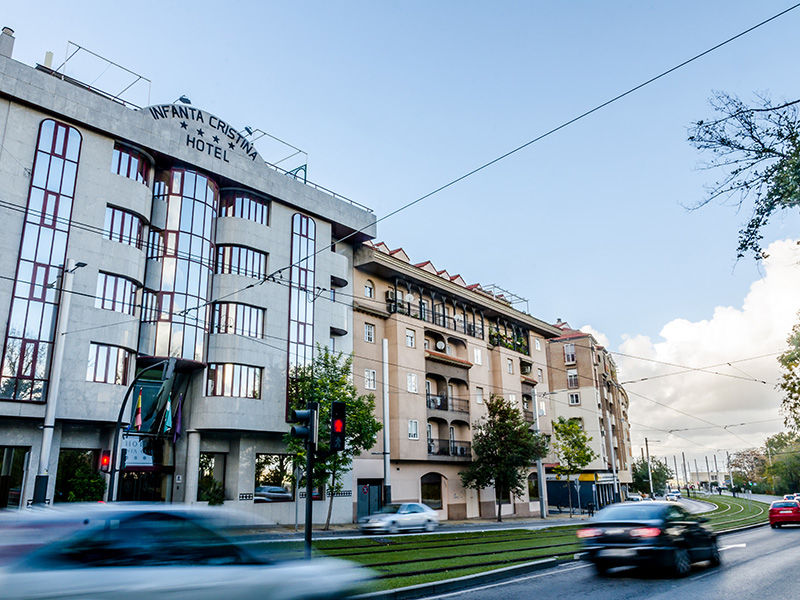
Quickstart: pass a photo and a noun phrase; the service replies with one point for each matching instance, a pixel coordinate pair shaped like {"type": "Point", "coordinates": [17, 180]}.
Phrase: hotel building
{"type": "Point", "coordinates": [133, 236]}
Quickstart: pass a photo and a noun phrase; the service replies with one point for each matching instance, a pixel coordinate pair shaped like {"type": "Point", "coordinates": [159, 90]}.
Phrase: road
{"type": "Point", "coordinates": [757, 564]}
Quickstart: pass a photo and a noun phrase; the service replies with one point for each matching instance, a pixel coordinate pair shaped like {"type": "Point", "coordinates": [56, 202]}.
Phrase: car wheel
{"type": "Point", "coordinates": [393, 528]}
{"type": "Point", "coordinates": [601, 569]}
{"type": "Point", "coordinates": [680, 562]}
{"type": "Point", "coordinates": [715, 559]}
{"type": "Point", "coordinates": [430, 526]}
{"type": "Point", "coordinates": [773, 525]}
{"type": "Point", "coordinates": [778, 525]}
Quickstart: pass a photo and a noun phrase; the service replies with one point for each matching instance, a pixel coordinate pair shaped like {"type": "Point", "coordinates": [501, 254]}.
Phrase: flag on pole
{"type": "Point", "coordinates": [138, 417]}
{"type": "Point", "coordinates": [176, 431]}
{"type": "Point", "coordinates": [168, 415]}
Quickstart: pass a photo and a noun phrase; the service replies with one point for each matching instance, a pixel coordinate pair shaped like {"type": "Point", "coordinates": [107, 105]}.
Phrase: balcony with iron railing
{"type": "Point", "coordinates": [435, 317]}
{"type": "Point", "coordinates": [449, 450]}
{"type": "Point", "coordinates": [445, 403]}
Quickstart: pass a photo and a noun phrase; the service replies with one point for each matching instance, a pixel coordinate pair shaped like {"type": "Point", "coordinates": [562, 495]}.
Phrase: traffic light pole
{"type": "Point", "coordinates": [309, 492]}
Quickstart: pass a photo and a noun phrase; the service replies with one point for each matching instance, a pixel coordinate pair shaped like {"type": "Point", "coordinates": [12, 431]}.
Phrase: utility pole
{"type": "Point", "coordinates": [730, 473]}
{"type": "Point", "coordinates": [708, 473]}
{"type": "Point", "coordinates": [540, 473]}
{"type": "Point", "coordinates": [65, 296]}
{"type": "Point", "coordinates": [697, 473]}
{"type": "Point", "coordinates": [649, 470]}
{"type": "Point", "coordinates": [716, 468]}
{"type": "Point", "coordinates": [677, 476]}
{"type": "Point", "coordinates": [685, 474]}
{"type": "Point", "coordinates": [387, 469]}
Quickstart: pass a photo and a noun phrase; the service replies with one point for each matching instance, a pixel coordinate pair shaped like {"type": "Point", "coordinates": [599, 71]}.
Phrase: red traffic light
{"type": "Point", "coordinates": [105, 460]}
{"type": "Point", "coordinates": [338, 426]}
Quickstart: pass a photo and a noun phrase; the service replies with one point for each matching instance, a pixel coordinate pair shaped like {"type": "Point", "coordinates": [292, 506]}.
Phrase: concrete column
{"type": "Point", "coordinates": [192, 466]}
{"type": "Point", "coordinates": [5, 476]}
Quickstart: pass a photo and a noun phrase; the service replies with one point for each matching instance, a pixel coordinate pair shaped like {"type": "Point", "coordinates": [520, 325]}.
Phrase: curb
{"type": "Point", "coordinates": [423, 590]}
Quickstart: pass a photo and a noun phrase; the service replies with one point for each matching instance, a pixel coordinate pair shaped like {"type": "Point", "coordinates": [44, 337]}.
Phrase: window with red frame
{"type": "Point", "coordinates": [131, 164]}
{"type": "Point", "coordinates": [228, 379]}
{"type": "Point", "coordinates": [239, 260]}
{"type": "Point", "coordinates": [124, 227]}
{"type": "Point", "coordinates": [108, 364]}
{"type": "Point", "coordinates": [244, 206]}
{"type": "Point", "coordinates": [116, 293]}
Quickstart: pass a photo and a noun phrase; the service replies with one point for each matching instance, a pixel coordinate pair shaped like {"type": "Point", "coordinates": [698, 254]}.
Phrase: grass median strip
{"type": "Point", "coordinates": [402, 560]}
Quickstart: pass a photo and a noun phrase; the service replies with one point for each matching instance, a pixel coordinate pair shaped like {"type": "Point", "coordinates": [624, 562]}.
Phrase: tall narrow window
{"type": "Point", "coordinates": [301, 295]}
{"type": "Point", "coordinates": [569, 353]}
{"type": "Point", "coordinates": [369, 289]}
{"type": "Point", "coordinates": [369, 333]}
{"type": "Point", "coordinates": [410, 338]}
{"type": "Point", "coordinates": [35, 299]}
{"type": "Point", "coordinates": [370, 379]}
{"type": "Point", "coordinates": [572, 378]}
{"type": "Point", "coordinates": [411, 382]}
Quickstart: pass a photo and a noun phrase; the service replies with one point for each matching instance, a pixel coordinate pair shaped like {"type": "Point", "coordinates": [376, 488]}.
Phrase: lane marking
{"type": "Point", "coordinates": [733, 546]}
{"type": "Point", "coordinates": [510, 581]}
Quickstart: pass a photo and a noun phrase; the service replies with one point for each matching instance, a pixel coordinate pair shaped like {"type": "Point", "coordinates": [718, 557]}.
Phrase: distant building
{"type": "Point", "coordinates": [450, 347]}
{"type": "Point", "coordinates": [584, 386]}
{"type": "Point", "coordinates": [162, 224]}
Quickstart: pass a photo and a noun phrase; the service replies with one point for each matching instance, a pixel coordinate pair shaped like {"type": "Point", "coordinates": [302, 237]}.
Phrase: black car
{"type": "Point", "coordinates": [659, 534]}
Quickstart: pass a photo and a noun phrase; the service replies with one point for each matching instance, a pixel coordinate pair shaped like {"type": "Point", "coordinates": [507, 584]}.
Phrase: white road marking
{"type": "Point", "coordinates": [510, 581]}
{"type": "Point", "coordinates": [733, 546]}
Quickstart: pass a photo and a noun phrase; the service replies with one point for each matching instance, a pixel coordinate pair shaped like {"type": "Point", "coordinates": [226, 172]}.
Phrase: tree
{"type": "Point", "coordinates": [503, 448]}
{"type": "Point", "coordinates": [660, 471]}
{"type": "Point", "coordinates": [329, 379]}
{"type": "Point", "coordinates": [758, 149]}
{"type": "Point", "coordinates": [572, 448]}
{"type": "Point", "coordinates": [786, 470]}
{"type": "Point", "coordinates": [751, 464]}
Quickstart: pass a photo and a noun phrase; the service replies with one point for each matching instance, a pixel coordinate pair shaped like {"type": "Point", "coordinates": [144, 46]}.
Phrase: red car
{"type": "Point", "coordinates": [784, 511]}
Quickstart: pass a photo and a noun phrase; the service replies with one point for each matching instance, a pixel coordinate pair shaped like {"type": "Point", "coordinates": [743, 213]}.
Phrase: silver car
{"type": "Point", "coordinates": [395, 517]}
{"type": "Point", "coordinates": [152, 551]}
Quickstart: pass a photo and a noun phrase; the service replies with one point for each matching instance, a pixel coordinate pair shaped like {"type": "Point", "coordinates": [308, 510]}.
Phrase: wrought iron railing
{"type": "Point", "coordinates": [450, 448]}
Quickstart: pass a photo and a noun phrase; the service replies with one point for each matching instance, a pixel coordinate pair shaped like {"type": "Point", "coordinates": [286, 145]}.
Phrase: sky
{"type": "Point", "coordinates": [391, 100]}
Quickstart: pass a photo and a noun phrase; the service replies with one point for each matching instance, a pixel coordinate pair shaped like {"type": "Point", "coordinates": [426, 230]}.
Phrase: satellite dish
{"type": "Point", "coordinates": [409, 297]}
{"type": "Point", "coordinates": [440, 345]}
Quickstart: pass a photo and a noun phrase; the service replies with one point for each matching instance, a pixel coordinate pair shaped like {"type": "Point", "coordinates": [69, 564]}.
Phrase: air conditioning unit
{"type": "Point", "coordinates": [390, 295]}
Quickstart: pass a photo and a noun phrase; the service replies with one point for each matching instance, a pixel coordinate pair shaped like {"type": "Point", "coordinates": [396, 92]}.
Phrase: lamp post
{"type": "Point", "coordinates": [540, 473]}
{"type": "Point", "coordinates": [43, 474]}
{"type": "Point", "coordinates": [649, 469]}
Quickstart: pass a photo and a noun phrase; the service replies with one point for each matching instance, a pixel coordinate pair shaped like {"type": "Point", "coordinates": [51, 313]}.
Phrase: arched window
{"type": "Point", "coordinates": [369, 289]}
{"type": "Point", "coordinates": [431, 490]}
{"type": "Point", "coordinates": [533, 487]}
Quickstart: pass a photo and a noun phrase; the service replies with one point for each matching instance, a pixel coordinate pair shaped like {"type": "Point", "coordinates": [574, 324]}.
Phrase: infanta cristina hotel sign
{"type": "Point", "coordinates": [205, 133]}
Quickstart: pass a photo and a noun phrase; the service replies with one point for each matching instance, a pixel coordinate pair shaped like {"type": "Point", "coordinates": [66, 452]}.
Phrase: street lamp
{"type": "Point", "coordinates": [182, 99]}
{"type": "Point", "coordinates": [43, 474]}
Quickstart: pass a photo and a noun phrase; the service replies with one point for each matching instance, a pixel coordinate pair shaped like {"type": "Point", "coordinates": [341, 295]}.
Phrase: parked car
{"type": "Point", "coordinates": [394, 517]}
{"type": "Point", "coordinates": [633, 498]}
{"type": "Point", "coordinates": [790, 496]}
{"type": "Point", "coordinates": [124, 552]}
{"type": "Point", "coordinates": [272, 493]}
{"type": "Point", "coordinates": [672, 497]}
{"type": "Point", "coordinates": [784, 511]}
{"type": "Point", "coordinates": [655, 534]}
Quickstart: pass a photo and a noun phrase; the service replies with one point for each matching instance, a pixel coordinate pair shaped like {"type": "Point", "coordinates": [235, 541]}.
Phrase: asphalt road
{"type": "Point", "coordinates": [756, 564]}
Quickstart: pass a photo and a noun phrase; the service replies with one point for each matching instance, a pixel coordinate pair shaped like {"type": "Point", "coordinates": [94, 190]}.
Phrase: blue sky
{"type": "Point", "coordinates": [391, 100]}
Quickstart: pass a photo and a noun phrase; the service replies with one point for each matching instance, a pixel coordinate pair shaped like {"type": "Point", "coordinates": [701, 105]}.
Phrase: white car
{"type": "Point", "coordinates": [395, 517]}
{"type": "Point", "coordinates": [633, 498]}
{"type": "Point", "coordinates": [119, 552]}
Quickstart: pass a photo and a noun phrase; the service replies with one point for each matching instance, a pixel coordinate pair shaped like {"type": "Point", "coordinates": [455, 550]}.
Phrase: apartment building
{"type": "Point", "coordinates": [448, 347]}
{"type": "Point", "coordinates": [136, 235]}
{"type": "Point", "coordinates": [584, 386]}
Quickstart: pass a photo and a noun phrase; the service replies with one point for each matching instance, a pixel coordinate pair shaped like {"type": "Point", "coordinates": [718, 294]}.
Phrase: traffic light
{"type": "Point", "coordinates": [308, 428]}
{"type": "Point", "coordinates": [123, 459]}
{"type": "Point", "coordinates": [338, 421]}
{"type": "Point", "coordinates": [105, 460]}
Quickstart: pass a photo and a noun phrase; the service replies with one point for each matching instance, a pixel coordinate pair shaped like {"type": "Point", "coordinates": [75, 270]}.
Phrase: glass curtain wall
{"type": "Point", "coordinates": [34, 306]}
{"type": "Point", "coordinates": [301, 296]}
{"type": "Point", "coordinates": [185, 250]}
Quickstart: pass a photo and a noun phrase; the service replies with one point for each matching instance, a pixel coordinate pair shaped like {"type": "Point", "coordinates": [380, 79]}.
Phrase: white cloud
{"type": "Point", "coordinates": [759, 327]}
{"type": "Point", "coordinates": [601, 338]}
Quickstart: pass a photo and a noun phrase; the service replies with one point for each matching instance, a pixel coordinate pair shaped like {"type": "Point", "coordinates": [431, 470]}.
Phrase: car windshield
{"type": "Point", "coordinates": [785, 504]}
{"type": "Point", "coordinates": [633, 512]}
{"type": "Point", "coordinates": [390, 508]}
